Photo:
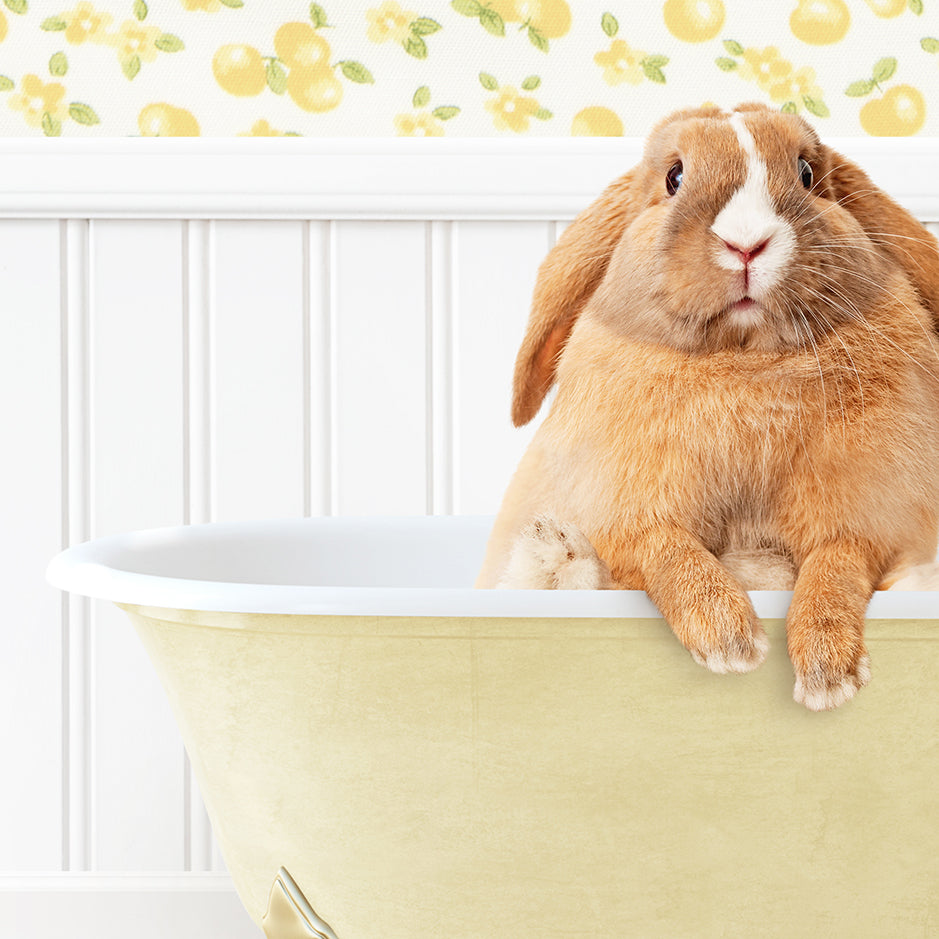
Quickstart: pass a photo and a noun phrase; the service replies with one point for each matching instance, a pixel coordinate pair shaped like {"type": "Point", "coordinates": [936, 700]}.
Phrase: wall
{"type": "Point", "coordinates": [465, 68]}
{"type": "Point", "coordinates": [342, 345]}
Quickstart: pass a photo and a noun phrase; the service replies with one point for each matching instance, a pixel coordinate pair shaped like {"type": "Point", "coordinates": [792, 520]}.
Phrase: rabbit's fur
{"type": "Point", "coordinates": [748, 397]}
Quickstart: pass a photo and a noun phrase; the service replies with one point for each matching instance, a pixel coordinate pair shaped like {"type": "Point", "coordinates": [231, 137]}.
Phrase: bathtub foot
{"type": "Point", "coordinates": [289, 914]}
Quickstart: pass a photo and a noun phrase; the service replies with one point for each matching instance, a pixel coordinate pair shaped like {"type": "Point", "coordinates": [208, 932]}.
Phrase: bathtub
{"type": "Point", "coordinates": [385, 752]}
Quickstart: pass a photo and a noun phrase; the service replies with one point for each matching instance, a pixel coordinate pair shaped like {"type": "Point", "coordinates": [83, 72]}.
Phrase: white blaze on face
{"type": "Point", "coordinates": [749, 219]}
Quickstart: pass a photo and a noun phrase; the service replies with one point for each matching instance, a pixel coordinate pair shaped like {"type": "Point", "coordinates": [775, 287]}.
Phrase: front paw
{"type": "Point", "coordinates": [822, 688]}
{"type": "Point", "coordinates": [739, 650]}
{"type": "Point", "coordinates": [731, 640]}
{"type": "Point", "coordinates": [831, 666]}
{"type": "Point", "coordinates": [548, 555]}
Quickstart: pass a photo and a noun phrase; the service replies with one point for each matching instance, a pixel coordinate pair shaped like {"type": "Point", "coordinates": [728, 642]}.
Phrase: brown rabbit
{"type": "Point", "coordinates": [744, 335]}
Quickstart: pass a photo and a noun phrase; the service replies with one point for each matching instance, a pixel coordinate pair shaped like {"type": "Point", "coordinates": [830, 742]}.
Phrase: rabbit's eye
{"type": "Point", "coordinates": [673, 179]}
{"type": "Point", "coordinates": [805, 173]}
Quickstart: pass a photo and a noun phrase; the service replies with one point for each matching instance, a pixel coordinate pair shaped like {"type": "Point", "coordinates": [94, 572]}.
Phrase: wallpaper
{"type": "Point", "coordinates": [481, 68]}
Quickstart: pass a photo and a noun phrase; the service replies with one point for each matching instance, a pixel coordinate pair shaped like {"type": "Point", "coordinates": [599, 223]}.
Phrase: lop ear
{"type": "Point", "coordinates": [894, 230]}
{"type": "Point", "coordinates": [567, 278]}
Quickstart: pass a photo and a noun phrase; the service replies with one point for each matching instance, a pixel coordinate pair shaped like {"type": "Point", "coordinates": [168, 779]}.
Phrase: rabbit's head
{"type": "Point", "coordinates": [736, 230]}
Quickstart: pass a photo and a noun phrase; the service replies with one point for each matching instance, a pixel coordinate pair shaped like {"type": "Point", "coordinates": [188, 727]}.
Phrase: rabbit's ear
{"type": "Point", "coordinates": [894, 230]}
{"type": "Point", "coordinates": [567, 278]}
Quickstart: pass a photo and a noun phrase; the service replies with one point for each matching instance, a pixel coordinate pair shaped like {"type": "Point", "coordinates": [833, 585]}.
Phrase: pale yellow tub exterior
{"type": "Point", "coordinates": [462, 778]}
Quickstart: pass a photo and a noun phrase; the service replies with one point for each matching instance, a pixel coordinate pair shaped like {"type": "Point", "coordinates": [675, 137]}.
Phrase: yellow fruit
{"type": "Point", "coordinates": [507, 9]}
{"type": "Point", "coordinates": [820, 22]}
{"type": "Point", "coordinates": [300, 46]}
{"type": "Point", "coordinates": [887, 8]}
{"type": "Point", "coordinates": [551, 18]}
{"type": "Point", "coordinates": [899, 113]}
{"type": "Point", "coordinates": [314, 89]}
{"type": "Point", "coordinates": [164, 120]}
{"type": "Point", "coordinates": [239, 70]}
{"type": "Point", "coordinates": [694, 20]}
{"type": "Point", "coordinates": [596, 122]}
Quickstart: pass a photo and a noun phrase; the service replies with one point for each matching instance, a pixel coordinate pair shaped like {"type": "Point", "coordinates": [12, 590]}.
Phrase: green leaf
{"type": "Point", "coordinates": [425, 26]}
{"type": "Point", "coordinates": [790, 107]}
{"type": "Point", "coordinates": [6, 84]}
{"type": "Point", "coordinates": [421, 97]}
{"type": "Point", "coordinates": [51, 126]}
{"type": "Point", "coordinates": [916, 6]}
{"type": "Point", "coordinates": [656, 61]}
{"type": "Point", "coordinates": [357, 72]}
{"type": "Point", "coordinates": [318, 16]}
{"type": "Point", "coordinates": [131, 66]}
{"type": "Point", "coordinates": [415, 46]}
{"type": "Point", "coordinates": [537, 40]}
{"type": "Point", "coordinates": [652, 72]}
{"type": "Point", "coordinates": [169, 43]}
{"type": "Point", "coordinates": [884, 69]}
{"type": "Point", "coordinates": [83, 114]}
{"type": "Point", "coordinates": [20, 7]}
{"type": "Point", "coordinates": [543, 114]}
{"type": "Point", "coordinates": [531, 83]}
{"type": "Point", "coordinates": [929, 45]}
{"type": "Point", "coordinates": [276, 76]}
{"type": "Point", "coordinates": [609, 24]}
{"type": "Point", "coordinates": [492, 22]}
{"type": "Point", "coordinates": [816, 106]}
{"type": "Point", "coordinates": [55, 24]}
{"type": "Point", "coordinates": [58, 65]}
{"type": "Point", "coordinates": [859, 89]}
{"type": "Point", "coordinates": [726, 65]}
{"type": "Point", "coordinates": [233, 4]}
{"type": "Point", "coordinates": [733, 47]}
{"type": "Point", "coordinates": [467, 7]}
{"type": "Point", "coordinates": [488, 81]}
{"type": "Point", "coordinates": [140, 10]}
{"type": "Point", "coordinates": [446, 112]}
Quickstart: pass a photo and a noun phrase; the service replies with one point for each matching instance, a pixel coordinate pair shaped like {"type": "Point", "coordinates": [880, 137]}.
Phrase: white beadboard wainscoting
{"type": "Point", "coordinates": [208, 330]}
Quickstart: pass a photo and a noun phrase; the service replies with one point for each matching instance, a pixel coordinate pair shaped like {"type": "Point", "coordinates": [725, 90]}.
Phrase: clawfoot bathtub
{"type": "Point", "coordinates": [386, 753]}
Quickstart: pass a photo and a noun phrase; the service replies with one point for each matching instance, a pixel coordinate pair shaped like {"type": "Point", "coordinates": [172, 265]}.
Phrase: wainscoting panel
{"type": "Point", "coordinates": [379, 381]}
{"type": "Point", "coordinates": [338, 341]}
{"type": "Point", "coordinates": [136, 408]}
{"type": "Point", "coordinates": [32, 681]}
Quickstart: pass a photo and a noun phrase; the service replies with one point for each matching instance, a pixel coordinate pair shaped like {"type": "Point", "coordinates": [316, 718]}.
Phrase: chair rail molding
{"type": "Point", "coordinates": [346, 178]}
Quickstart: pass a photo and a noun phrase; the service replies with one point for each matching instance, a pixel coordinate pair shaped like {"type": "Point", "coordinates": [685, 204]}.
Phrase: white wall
{"type": "Point", "coordinates": [202, 334]}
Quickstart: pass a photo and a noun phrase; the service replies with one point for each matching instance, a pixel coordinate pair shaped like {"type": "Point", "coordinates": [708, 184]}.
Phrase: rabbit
{"type": "Point", "coordinates": [744, 332]}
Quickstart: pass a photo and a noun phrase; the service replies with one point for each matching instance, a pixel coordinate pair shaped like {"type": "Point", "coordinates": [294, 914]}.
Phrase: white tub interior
{"type": "Point", "coordinates": [376, 566]}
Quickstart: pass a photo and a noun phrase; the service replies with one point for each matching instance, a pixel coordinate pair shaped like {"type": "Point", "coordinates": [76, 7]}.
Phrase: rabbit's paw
{"type": "Point", "coordinates": [722, 632]}
{"type": "Point", "coordinates": [548, 555]}
{"type": "Point", "coordinates": [740, 651]}
{"type": "Point", "coordinates": [822, 689]}
{"type": "Point", "coordinates": [830, 661]}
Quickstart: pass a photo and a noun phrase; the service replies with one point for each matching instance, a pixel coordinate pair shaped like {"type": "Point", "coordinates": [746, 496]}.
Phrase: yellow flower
{"type": "Point", "coordinates": [209, 5]}
{"type": "Point", "coordinates": [764, 66]}
{"type": "Point", "coordinates": [134, 39]}
{"type": "Point", "coordinates": [795, 85]}
{"type": "Point", "coordinates": [621, 64]}
{"type": "Point", "coordinates": [419, 124]}
{"type": "Point", "coordinates": [85, 24]}
{"type": "Point", "coordinates": [511, 111]}
{"type": "Point", "coordinates": [389, 22]}
{"type": "Point", "coordinates": [263, 129]}
{"type": "Point", "coordinates": [36, 100]}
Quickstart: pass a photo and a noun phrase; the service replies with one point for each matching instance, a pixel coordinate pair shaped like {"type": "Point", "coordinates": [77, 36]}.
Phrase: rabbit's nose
{"type": "Point", "coordinates": [747, 254]}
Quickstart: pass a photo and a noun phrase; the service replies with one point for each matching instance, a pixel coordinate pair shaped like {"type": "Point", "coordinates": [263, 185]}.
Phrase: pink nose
{"type": "Point", "coordinates": [746, 254]}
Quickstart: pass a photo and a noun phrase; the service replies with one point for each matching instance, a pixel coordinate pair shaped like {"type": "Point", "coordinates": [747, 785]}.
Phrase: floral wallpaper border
{"type": "Point", "coordinates": [480, 68]}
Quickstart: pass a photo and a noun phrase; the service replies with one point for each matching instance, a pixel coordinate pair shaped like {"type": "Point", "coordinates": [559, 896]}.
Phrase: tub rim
{"type": "Point", "coordinates": [93, 569]}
